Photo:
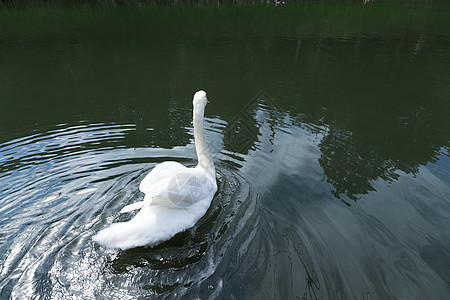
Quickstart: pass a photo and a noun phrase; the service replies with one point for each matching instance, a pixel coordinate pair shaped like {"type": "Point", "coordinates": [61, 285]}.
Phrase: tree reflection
{"type": "Point", "coordinates": [350, 165]}
{"type": "Point", "coordinates": [352, 161]}
{"type": "Point", "coordinates": [382, 99]}
{"type": "Point", "coordinates": [375, 124]}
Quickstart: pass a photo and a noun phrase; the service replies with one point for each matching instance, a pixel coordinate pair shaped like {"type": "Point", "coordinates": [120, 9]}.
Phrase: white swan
{"type": "Point", "coordinates": [176, 197]}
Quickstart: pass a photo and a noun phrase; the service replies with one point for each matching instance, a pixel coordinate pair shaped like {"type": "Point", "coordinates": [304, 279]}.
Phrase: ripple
{"type": "Point", "coordinates": [64, 185]}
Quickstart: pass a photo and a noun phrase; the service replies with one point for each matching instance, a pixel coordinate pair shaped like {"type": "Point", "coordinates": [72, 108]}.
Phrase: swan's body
{"type": "Point", "coordinates": [176, 197]}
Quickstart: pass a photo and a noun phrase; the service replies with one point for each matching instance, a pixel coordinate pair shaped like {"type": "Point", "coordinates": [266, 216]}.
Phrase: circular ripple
{"type": "Point", "coordinates": [64, 185]}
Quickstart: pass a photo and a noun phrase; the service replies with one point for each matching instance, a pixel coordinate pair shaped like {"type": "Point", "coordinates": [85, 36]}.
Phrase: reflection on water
{"type": "Point", "coordinates": [331, 152]}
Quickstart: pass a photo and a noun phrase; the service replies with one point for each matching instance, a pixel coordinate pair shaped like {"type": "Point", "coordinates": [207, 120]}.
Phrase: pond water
{"type": "Point", "coordinates": [329, 127]}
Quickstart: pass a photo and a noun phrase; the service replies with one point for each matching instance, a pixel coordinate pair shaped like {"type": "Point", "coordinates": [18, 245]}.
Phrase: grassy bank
{"type": "Point", "coordinates": [296, 20]}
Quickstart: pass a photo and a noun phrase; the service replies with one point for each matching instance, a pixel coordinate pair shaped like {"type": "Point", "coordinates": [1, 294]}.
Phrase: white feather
{"type": "Point", "coordinates": [176, 197]}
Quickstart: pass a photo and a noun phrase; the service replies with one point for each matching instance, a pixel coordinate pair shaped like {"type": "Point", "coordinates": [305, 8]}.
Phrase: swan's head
{"type": "Point", "coordinates": [200, 99]}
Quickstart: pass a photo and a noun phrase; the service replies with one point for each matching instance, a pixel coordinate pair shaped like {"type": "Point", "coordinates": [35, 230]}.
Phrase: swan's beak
{"type": "Point", "coordinates": [207, 101]}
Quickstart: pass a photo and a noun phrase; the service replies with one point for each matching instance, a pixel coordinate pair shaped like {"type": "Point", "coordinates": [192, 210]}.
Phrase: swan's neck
{"type": "Point", "coordinates": [204, 158]}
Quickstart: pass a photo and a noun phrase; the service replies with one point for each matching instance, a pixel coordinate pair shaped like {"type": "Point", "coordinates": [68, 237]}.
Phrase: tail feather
{"type": "Point", "coordinates": [151, 226]}
{"type": "Point", "coordinates": [132, 207]}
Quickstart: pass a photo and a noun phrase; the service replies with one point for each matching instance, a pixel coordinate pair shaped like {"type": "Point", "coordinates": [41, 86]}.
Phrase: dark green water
{"type": "Point", "coordinates": [329, 126]}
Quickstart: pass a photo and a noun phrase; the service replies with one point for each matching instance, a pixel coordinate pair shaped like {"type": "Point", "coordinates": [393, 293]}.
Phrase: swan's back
{"type": "Point", "coordinates": [176, 198]}
{"type": "Point", "coordinates": [160, 172]}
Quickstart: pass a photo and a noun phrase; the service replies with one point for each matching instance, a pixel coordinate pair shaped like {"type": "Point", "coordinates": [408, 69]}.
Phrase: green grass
{"type": "Point", "coordinates": [296, 20]}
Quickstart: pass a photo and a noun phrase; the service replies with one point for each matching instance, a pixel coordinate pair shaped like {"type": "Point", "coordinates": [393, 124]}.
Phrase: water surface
{"type": "Point", "coordinates": [328, 125]}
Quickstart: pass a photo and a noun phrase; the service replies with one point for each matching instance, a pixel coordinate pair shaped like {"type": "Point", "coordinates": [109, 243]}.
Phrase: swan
{"type": "Point", "coordinates": [176, 197]}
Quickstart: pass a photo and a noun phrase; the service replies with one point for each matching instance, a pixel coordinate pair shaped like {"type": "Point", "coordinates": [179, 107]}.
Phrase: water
{"type": "Point", "coordinates": [330, 139]}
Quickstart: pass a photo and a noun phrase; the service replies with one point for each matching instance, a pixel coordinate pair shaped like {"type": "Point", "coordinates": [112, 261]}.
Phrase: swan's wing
{"type": "Point", "coordinates": [184, 189]}
{"type": "Point", "coordinates": [159, 173]}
